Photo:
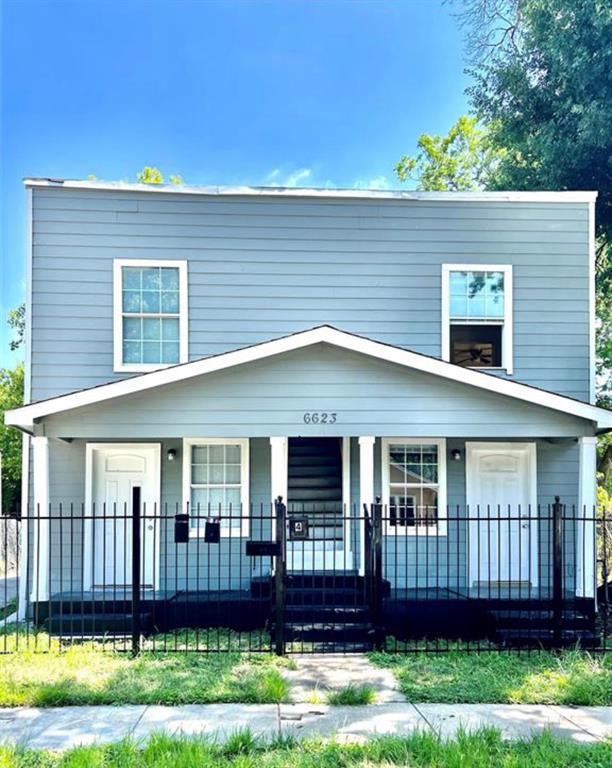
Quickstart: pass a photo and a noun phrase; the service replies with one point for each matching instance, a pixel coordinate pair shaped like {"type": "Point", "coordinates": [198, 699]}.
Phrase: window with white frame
{"type": "Point", "coordinates": [216, 484]}
{"type": "Point", "coordinates": [150, 314]}
{"type": "Point", "coordinates": [477, 315]}
{"type": "Point", "coordinates": [414, 485]}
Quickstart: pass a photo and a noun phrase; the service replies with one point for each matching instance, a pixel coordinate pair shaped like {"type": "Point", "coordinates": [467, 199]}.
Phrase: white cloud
{"type": "Point", "coordinates": [293, 179]}
{"type": "Point", "coordinates": [378, 182]}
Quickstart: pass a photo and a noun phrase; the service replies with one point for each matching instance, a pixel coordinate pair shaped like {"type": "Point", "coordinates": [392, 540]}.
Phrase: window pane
{"type": "Point", "coordinates": [151, 352]}
{"type": "Point", "coordinates": [131, 301]}
{"type": "Point", "coordinates": [151, 328]}
{"type": "Point", "coordinates": [232, 454]}
{"type": "Point", "coordinates": [216, 453]}
{"type": "Point", "coordinates": [232, 473]}
{"type": "Point", "coordinates": [151, 279]}
{"type": "Point", "coordinates": [170, 302]}
{"type": "Point", "coordinates": [170, 329]}
{"type": "Point", "coordinates": [476, 295]}
{"type": "Point", "coordinates": [199, 501]}
{"type": "Point", "coordinates": [216, 474]}
{"type": "Point", "coordinates": [170, 352]}
{"type": "Point", "coordinates": [199, 454]}
{"type": "Point", "coordinates": [170, 278]}
{"type": "Point", "coordinates": [151, 302]}
{"type": "Point", "coordinates": [476, 346]}
{"type": "Point", "coordinates": [131, 277]}
{"type": "Point", "coordinates": [132, 352]}
{"type": "Point", "coordinates": [132, 328]}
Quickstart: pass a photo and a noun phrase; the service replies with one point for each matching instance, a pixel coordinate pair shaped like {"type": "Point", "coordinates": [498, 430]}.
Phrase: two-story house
{"type": "Point", "coordinates": [204, 351]}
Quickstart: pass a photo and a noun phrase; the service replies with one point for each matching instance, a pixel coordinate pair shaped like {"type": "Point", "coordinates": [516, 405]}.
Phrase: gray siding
{"type": "Point", "coordinates": [270, 397]}
{"type": "Point", "coordinates": [261, 268]}
{"type": "Point", "coordinates": [409, 562]}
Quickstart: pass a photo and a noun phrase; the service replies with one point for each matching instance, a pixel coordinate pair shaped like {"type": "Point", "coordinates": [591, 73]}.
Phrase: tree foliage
{"type": "Point", "coordinates": [463, 160]}
{"type": "Point", "coordinates": [16, 321]}
{"type": "Point", "coordinates": [11, 396]}
{"type": "Point", "coordinates": [150, 175]}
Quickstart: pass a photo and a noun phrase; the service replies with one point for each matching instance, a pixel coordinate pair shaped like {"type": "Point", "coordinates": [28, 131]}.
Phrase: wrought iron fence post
{"type": "Point", "coordinates": [279, 578]}
{"type": "Point", "coordinates": [136, 517]}
{"type": "Point", "coordinates": [379, 634]}
{"type": "Point", "coordinates": [557, 575]}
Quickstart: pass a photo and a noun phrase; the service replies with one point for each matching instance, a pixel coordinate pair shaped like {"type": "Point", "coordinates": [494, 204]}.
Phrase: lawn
{"type": "Point", "coordinates": [484, 749]}
{"type": "Point", "coordinates": [90, 674]}
{"type": "Point", "coordinates": [570, 677]}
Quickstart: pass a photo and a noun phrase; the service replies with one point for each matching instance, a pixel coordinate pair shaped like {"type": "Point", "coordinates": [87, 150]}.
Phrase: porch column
{"type": "Point", "coordinates": [587, 499]}
{"type": "Point", "coordinates": [278, 465]}
{"type": "Point", "coordinates": [366, 488]}
{"type": "Point", "coordinates": [40, 552]}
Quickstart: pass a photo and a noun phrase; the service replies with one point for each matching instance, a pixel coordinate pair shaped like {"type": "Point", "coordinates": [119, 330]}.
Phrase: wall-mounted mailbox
{"type": "Point", "coordinates": [212, 532]}
{"type": "Point", "coordinates": [181, 529]}
{"type": "Point", "coordinates": [263, 548]}
{"type": "Point", "coordinates": [298, 528]}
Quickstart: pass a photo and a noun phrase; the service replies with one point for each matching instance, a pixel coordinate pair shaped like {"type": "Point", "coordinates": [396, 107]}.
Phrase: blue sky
{"type": "Point", "coordinates": [290, 92]}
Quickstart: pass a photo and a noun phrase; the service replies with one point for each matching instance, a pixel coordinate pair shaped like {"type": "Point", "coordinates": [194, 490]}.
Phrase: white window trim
{"type": "Point", "coordinates": [441, 527]}
{"type": "Point", "coordinates": [507, 333]}
{"type": "Point", "coordinates": [118, 365]}
{"type": "Point", "coordinates": [188, 443]}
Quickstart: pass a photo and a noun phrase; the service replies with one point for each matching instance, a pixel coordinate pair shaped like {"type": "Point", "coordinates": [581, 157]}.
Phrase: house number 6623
{"type": "Point", "coordinates": [319, 417]}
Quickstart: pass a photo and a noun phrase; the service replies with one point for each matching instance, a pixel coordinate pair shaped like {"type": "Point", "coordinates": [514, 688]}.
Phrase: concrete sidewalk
{"type": "Point", "coordinates": [66, 727]}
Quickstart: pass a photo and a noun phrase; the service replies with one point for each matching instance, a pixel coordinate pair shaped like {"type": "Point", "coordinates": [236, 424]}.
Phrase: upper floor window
{"type": "Point", "coordinates": [477, 315]}
{"type": "Point", "coordinates": [150, 314]}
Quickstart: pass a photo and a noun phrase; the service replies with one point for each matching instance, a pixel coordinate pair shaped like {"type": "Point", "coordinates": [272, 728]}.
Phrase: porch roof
{"type": "Point", "coordinates": [25, 417]}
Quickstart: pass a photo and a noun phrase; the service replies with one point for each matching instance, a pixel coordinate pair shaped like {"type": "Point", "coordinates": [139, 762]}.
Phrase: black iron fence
{"type": "Point", "coordinates": [269, 578]}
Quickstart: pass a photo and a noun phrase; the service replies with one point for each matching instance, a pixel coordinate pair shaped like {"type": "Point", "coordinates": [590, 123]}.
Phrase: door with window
{"type": "Point", "coordinates": [113, 472]}
{"type": "Point", "coordinates": [502, 504]}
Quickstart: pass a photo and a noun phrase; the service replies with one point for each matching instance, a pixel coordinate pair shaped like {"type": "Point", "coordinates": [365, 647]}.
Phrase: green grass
{"type": "Point", "coordinates": [484, 749]}
{"type": "Point", "coordinates": [352, 696]}
{"type": "Point", "coordinates": [92, 674]}
{"type": "Point", "coordinates": [571, 677]}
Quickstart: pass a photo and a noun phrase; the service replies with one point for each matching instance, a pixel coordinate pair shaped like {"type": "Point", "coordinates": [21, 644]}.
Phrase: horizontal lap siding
{"type": "Point", "coordinates": [409, 562]}
{"type": "Point", "coordinates": [263, 268]}
{"type": "Point", "coordinates": [270, 397]}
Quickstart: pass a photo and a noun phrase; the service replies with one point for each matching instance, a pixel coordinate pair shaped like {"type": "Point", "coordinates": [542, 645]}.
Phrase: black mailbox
{"type": "Point", "coordinates": [212, 532]}
{"type": "Point", "coordinates": [298, 528]}
{"type": "Point", "coordinates": [181, 529]}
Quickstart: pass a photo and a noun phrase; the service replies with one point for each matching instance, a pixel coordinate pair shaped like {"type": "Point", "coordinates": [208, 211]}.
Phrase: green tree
{"type": "Point", "coordinates": [150, 175]}
{"type": "Point", "coordinates": [11, 396]}
{"type": "Point", "coordinates": [16, 321]}
{"type": "Point", "coordinates": [463, 160]}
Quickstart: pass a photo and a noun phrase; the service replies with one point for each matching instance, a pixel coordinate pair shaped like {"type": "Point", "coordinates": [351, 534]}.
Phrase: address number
{"type": "Point", "coordinates": [320, 417]}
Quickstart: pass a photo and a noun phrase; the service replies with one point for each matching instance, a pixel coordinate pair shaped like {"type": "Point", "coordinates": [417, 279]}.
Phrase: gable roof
{"type": "Point", "coordinates": [24, 417]}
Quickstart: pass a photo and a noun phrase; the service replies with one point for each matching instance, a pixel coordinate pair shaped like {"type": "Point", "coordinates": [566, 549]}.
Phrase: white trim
{"type": "Point", "coordinates": [592, 321]}
{"type": "Point", "coordinates": [346, 501]}
{"type": "Point", "coordinates": [478, 197]}
{"type": "Point", "coordinates": [587, 500]}
{"type": "Point", "coordinates": [88, 542]}
{"type": "Point", "coordinates": [27, 339]}
{"type": "Point", "coordinates": [24, 417]}
{"type": "Point", "coordinates": [118, 365]}
{"type": "Point", "coordinates": [366, 488]}
{"type": "Point", "coordinates": [40, 566]}
{"type": "Point", "coordinates": [24, 559]}
{"type": "Point", "coordinates": [507, 332]}
{"type": "Point", "coordinates": [243, 443]}
{"type": "Point", "coordinates": [531, 450]}
{"type": "Point", "coordinates": [441, 527]}
{"type": "Point", "coordinates": [279, 468]}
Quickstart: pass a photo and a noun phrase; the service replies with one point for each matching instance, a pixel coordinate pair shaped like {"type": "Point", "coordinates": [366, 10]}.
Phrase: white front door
{"type": "Point", "coordinates": [113, 471]}
{"type": "Point", "coordinates": [502, 506]}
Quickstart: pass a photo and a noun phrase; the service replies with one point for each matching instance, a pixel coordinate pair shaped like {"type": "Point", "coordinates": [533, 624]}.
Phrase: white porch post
{"type": "Point", "coordinates": [278, 464]}
{"type": "Point", "coordinates": [40, 552]}
{"type": "Point", "coordinates": [366, 487]}
{"type": "Point", "coordinates": [587, 499]}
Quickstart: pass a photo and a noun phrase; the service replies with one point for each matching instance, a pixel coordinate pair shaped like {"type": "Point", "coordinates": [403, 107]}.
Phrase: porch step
{"type": "Point", "coordinates": [328, 614]}
{"type": "Point", "coordinates": [94, 623]}
{"type": "Point", "coordinates": [328, 632]}
{"type": "Point", "coordinates": [340, 646]}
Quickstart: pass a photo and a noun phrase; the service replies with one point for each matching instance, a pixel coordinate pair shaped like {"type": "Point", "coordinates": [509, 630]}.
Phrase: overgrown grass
{"type": "Point", "coordinates": [483, 749]}
{"type": "Point", "coordinates": [571, 677]}
{"type": "Point", "coordinates": [352, 696]}
{"type": "Point", "coordinates": [92, 674]}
